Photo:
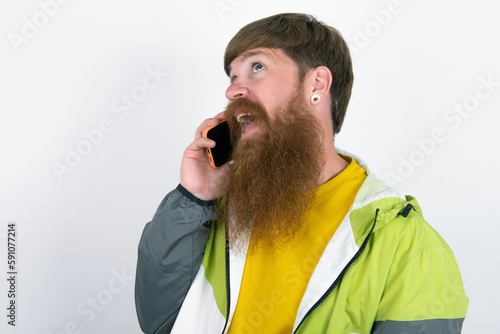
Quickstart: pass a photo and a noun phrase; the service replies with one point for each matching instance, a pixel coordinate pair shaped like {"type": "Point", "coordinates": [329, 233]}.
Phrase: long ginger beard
{"type": "Point", "coordinates": [273, 174]}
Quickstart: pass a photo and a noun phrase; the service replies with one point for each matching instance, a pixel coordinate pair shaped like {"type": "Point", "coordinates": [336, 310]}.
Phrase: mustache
{"type": "Point", "coordinates": [245, 105]}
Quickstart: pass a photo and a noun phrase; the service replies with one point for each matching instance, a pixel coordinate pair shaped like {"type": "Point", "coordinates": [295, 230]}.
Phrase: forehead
{"type": "Point", "coordinates": [273, 56]}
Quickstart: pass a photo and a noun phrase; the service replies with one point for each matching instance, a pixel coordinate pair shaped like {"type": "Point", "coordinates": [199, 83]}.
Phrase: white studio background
{"type": "Point", "coordinates": [100, 98]}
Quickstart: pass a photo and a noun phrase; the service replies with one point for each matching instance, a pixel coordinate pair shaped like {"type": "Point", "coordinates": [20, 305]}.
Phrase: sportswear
{"type": "Point", "coordinates": [385, 270]}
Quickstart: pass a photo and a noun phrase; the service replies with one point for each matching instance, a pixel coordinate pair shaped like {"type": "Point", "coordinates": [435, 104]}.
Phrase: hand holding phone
{"type": "Point", "coordinates": [196, 175]}
{"type": "Point", "coordinates": [220, 154]}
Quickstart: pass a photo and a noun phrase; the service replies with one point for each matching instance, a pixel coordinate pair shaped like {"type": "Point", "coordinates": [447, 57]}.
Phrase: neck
{"type": "Point", "coordinates": [333, 166]}
{"type": "Point", "coordinates": [334, 163]}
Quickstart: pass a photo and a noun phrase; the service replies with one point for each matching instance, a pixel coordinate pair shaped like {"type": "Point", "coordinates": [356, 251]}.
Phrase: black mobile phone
{"type": "Point", "coordinates": [221, 152]}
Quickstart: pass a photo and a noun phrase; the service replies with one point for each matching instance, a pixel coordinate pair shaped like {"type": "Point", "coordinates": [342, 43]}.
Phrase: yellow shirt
{"type": "Point", "coordinates": [272, 287]}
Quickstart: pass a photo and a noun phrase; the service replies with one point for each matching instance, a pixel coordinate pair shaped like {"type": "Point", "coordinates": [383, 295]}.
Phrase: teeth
{"type": "Point", "coordinates": [239, 118]}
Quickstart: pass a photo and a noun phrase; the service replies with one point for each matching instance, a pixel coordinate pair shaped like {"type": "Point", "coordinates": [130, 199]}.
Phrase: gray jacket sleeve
{"type": "Point", "coordinates": [169, 256]}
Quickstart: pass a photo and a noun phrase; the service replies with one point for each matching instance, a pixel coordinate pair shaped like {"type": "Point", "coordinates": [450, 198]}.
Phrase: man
{"type": "Point", "coordinates": [291, 236]}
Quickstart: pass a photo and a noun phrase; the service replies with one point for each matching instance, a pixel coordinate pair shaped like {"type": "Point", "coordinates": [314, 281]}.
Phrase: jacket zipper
{"type": "Point", "coordinates": [228, 290]}
{"type": "Point", "coordinates": [341, 275]}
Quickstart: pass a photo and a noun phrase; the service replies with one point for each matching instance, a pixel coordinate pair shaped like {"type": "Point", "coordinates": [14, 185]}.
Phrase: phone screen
{"type": "Point", "coordinates": [221, 152]}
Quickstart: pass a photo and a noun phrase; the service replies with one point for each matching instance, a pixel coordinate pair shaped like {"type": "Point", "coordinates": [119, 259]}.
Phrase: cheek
{"type": "Point", "coordinates": [284, 102]}
{"type": "Point", "coordinates": [272, 101]}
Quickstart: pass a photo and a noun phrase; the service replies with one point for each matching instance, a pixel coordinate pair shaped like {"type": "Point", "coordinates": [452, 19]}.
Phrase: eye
{"type": "Point", "coordinates": [257, 67]}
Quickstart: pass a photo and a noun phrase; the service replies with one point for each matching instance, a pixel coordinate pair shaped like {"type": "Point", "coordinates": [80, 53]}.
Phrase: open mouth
{"type": "Point", "coordinates": [244, 119]}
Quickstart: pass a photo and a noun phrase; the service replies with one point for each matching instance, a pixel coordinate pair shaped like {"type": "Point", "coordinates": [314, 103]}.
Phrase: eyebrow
{"type": "Point", "coordinates": [252, 53]}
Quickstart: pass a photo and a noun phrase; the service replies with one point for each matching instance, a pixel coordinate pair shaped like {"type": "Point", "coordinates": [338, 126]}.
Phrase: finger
{"type": "Point", "coordinates": [208, 123]}
{"type": "Point", "coordinates": [220, 116]}
{"type": "Point", "coordinates": [201, 144]}
{"type": "Point", "coordinates": [205, 124]}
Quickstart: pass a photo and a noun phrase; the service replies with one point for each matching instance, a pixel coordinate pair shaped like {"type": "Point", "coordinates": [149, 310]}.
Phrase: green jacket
{"type": "Point", "coordinates": [385, 270]}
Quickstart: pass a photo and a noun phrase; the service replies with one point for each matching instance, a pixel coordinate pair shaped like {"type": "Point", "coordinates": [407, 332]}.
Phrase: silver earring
{"type": "Point", "coordinates": [315, 98]}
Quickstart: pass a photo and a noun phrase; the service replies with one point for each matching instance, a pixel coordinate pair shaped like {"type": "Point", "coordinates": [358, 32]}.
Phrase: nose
{"type": "Point", "coordinates": [235, 91]}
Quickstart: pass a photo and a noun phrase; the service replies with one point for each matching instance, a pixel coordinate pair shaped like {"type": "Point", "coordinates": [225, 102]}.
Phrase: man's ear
{"type": "Point", "coordinates": [319, 81]}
